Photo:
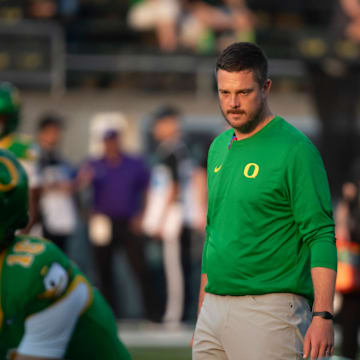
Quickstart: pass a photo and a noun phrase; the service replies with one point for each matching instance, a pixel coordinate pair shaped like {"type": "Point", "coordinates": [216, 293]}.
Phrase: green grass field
{"type": "Point", "coordinates": [163, 353]}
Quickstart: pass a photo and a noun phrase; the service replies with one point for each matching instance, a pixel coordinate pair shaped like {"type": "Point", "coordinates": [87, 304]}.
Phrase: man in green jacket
{"type": "Point", "coordinates": [269, 260]}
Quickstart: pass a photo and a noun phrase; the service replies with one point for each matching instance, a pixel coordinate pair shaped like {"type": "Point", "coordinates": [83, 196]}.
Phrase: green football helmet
{"type": "Point", "coordinates": [14, 197]}
{"type": "Point", "coordinates": [10, 106]}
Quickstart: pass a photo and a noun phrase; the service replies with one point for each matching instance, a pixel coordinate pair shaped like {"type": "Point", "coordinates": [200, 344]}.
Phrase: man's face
{"type": "Point", "coordinates": [49, 137]}
{"type": "Point", "coordinates": [112, 145]}
{"type": "Point", "coordinates": [242, 99]}
{"type": "Point", "coordinates": [166, 128]}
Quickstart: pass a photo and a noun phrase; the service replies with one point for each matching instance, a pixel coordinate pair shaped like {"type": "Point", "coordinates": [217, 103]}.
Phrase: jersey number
{"type": "Point", "coordinates": [23, 260]}
{"type": "Point", "coordinates": [27, 247]}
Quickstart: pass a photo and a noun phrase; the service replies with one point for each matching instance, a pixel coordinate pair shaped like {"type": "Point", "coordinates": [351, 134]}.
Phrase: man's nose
{"type": "Point", "coordinates": [235, 101]}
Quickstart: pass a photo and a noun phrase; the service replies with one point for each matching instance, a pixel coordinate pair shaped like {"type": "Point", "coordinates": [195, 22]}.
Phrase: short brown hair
{"type": "Point", "coordinates": [244, 56]}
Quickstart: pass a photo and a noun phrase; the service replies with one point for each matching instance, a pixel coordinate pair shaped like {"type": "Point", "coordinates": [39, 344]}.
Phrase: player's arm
{"type": "Point", "coordinates": [319, 339]}
{"type": "Point", "coordinates": [48, 332]}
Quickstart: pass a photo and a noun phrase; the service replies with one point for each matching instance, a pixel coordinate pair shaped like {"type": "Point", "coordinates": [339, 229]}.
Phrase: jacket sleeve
{"type": "Point", "coordinates": [310, 200]}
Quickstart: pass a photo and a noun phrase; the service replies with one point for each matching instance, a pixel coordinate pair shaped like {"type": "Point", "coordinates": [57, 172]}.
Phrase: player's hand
{"type": "Point", "coordinates": [192, 341]}
{"type": "Point", "coordinates": [319, 339]}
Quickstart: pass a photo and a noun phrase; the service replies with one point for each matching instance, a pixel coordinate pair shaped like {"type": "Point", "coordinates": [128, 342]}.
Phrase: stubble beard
{"type": "Point", "coordinates": [252, 122]}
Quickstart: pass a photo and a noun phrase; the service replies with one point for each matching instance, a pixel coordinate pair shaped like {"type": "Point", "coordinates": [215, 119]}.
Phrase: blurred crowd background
{"type": "Point", "coordinates": [118, 104]}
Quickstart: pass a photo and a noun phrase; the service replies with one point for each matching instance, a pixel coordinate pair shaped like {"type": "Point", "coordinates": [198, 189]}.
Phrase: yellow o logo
{"type": "Point", "coordinates": [14, 176]}
{"type": "Point", "coordinates": [251, 170]}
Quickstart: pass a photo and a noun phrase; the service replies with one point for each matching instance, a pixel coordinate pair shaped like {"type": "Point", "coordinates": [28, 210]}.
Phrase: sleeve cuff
{"type": "Point", "coordinates": [324, 254]}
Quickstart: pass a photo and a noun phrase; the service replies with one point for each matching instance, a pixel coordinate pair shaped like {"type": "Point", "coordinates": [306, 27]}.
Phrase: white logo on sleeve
{"type": "Point", "coordinates": [56, 280]}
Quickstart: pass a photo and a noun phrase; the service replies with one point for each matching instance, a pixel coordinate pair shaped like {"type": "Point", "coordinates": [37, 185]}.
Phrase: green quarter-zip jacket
{"type": "Point", "coordinates": [270, 216]}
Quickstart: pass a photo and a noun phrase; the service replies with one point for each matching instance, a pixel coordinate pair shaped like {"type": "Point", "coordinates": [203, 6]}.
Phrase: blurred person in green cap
{"type": "Point", "coordinates": [20, 145]}
{"type": "Point", "coordinates": [10, 111]}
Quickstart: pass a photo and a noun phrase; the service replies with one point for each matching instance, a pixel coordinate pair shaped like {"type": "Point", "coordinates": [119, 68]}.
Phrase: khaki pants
{"type": "Point", "coordinates": [270, 327]}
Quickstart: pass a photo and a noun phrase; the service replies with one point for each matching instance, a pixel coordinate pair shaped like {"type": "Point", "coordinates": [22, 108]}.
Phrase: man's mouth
{"type": "Point", "coordinates": [236, 112]}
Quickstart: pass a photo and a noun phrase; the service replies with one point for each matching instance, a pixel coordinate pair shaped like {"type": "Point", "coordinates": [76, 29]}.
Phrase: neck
{"type": "Point", "coordinates": [47, 147]}
{"type": "Point", "coordinates": [113, 157]}
{"type": "Point", "coordinates": [266, 117]}
{"type": "Point", "coordinates": [172, 138]}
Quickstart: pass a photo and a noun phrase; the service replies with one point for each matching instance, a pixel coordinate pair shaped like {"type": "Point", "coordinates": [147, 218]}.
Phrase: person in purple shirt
{"type": "Point", "coordinates": [119, 184]}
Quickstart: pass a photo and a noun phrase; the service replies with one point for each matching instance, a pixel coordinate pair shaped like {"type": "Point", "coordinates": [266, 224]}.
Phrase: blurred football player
{"type": "Point", "coordinates": [21, 146]}
{"type": "Point", "coordinates": [10, 110]}
{"type": "Point", "coordinates": [48, 309]}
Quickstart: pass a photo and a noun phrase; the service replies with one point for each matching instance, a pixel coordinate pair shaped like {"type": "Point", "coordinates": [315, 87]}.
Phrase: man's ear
{"type": "Point", "coordinates": [267, 86]}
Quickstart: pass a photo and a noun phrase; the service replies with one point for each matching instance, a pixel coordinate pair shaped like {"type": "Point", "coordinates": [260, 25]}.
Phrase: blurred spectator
{"type": "Point", "coordinates": [119, 183]}
{"type": "Point", "coordinates": [52, 9]}
{"type": "Point", "coordinates": [68, 8]}
{"type": "Point", "coordinates": [160, 16]}
{"type": "Point", "coordinates": [350, 20]}
{"type": "Point", "coordinates": [231, 19]}
{"type": "Point", "coordinates": [43, 9]}
{"type": "Point", "coordinates": [168, 214]}
{"type": "Point", "coordinates": [57, 207]}
{"type": "Point", "coordinates": [336, 88]}
{"type": "Point", "coordinates": [348, 281]}
{"type": "Point", "coordinates": [12, 10]}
